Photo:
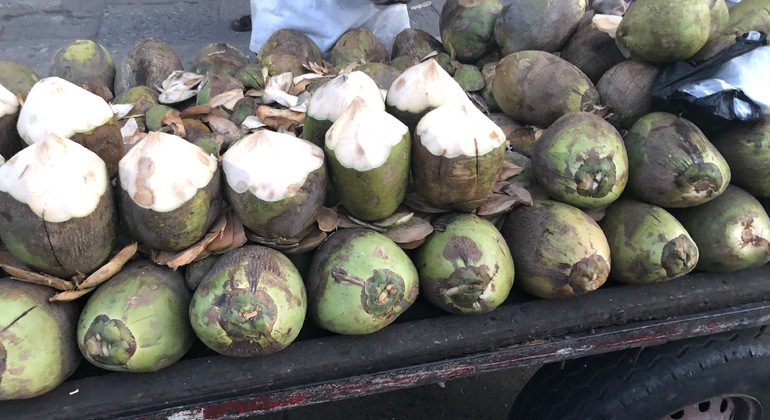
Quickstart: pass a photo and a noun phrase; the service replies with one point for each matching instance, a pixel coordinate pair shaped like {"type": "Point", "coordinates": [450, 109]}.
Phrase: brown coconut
{"type": "Point", "coordinates": [288, 50]}
{"type": "Point", "coordinates": [416, 44]}
{"type": "Point", "coordinates": [358, 45]}
{"type": "Point", "coordinates": [592, 50]}
{"type": "Point", "coordinates": [148, 63]}
{"type": "Point", "coordinates": [219, 57]}
{"type": "Point", "coordinates": [627, 89]}
{"type": "Point", "coordinates": [543, 25]}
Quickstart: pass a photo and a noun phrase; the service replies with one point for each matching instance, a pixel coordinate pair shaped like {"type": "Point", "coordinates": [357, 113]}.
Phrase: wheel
{"type": "Point", "coordinates": [722, 376]}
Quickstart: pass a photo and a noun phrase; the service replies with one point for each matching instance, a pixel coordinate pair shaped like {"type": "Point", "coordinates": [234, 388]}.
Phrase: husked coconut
{"type": "Point", "coordinates": [58, 208]}
{"type": "Point", "coordinates": [169, 192]}
{"type": "Point", "coordinates": [10, 142]}
{"type": "Point", "coordinates": [56, 106]}
{"type": "Point", "coordinates": [275, 183]}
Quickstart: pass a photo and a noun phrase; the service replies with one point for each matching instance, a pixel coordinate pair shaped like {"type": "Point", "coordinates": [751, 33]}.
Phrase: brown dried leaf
{"type": "Point", "coordinates": [364, 223]}
{"type": "Point", "coordinates": [412, 245]}
{"type": "Point", "coordinates": [279, 118]}
{"type": "Point", "coordinates": [310, 242]}
{"type": "Point", "coordinates": [221, 125]}
{"type": "Point", "coordinates": [173, 120]}
{"type": "Point", "coordinates": [317, 68]}
{"type": "Point", "coordinates": [395, 219]}
{"type": "Point", "coordinates": [327, 219]}
{"type": "Point", "coordinates": [195, 111]}
{"type": "Point", "coordinates": [509, 170]}
{"type": "Point", "coordinates": [37, 278]}
{"type": "Point", "coordinates": [496, 204]}
{"type": "Point", "coordinates": [413, 230]}
{"type": "Point", "coordinates": [417, 202]}
{"type": "Point", "coordinates": [514, 190]}
{"type": "Point", "coordinates": [112, 267]}
{"type": "Point", "coordinates": [69, 295]}
{"type": "Point", "coordinates": [227, 99]}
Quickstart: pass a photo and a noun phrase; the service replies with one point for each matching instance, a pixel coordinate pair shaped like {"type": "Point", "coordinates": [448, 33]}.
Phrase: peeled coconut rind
{"type": "Point", "coordinates": [465, 266]}
{"type": "Point", "coordinates": [138, 321]}
{"type": "Point", "coordinates": [647, 243]}
{"type": "Point", "coordinates": [559, 251]}
{"type": "Point", "coordinates": [275, 183]}
{"type": "Point", "coordinates": [59, 206]}
{"type": "Point", "coordinates": [467, 27]}
{"type": "Point", "coordinates": [368, 151]}
{"type": "Point", "coordinates": [82, 62]}
{"type": "Point", "coordinates": [359, 282]}
{"type": "Point", "coordinates": [746, 148]}
{"type": "Point", "coordinates": [581, 160]}
{"type": "Point", "coordinates": [38, 351]}
{"type": "Point", "coordinates": [457, 155]}
{"type": "Point", "coordinates": [161, 204]}
{"type": "Point", "coordinates": [252, 302]}
{"type": "Point", "coordinates": [332, 98]}
{"type": "Point", "coordinates": [148, 63]}
{"type": "Point", "coordinates": [543, 25]}
{"type": "Point", "coordinates": [731, 231]}
{"type": "Point", "coordinates": [10, 142]}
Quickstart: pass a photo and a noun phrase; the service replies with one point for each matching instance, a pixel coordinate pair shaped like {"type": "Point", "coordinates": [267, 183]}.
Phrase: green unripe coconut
{"type": "Point", "coordinates": [37, 340]}
{"type": "Point", "coordinates": [720, 16]}
{"type": "Point", "coordinates": [457, 154]}
{"type": "Point", "coordinates": [275, 183]}
{"type": "Point", "coordinates": [581, 160]}
{"type": "Point", "coordinates": [559, 251]}
{"type": "Point", "coordinates": [244, 108]}
{"type": "Point", "coordinates": [148, 63]}
{"type": "Point", "coordinates": [58, 209]}
{"type": "Point", "coordinates": [368, 153]}
{"type": "Point", "coordinates": [543, 25]}
{"type": "Point", "coordinates": [671, 163]}
{"type": "Point", "coordinates": [465, 266]}
{"type": "Point", "coordinates": [358, 45]}
{"type": "Point", "coordinates": [661, 31]}
{"type": "Point", "coordinates": [626, 89]}
{"type": "Point", "coordinates": [359, 282]}
{"type": "Point", "coordinates": [469, 78]}
{"type": "Point", "coordinates": [138, 321]}
{"type": "Point", "coordinates": [141, 97]}
{"type": "Point", "coordinates": [169, 192]}
{"type": "Point", "coordinates": [156, 115]}
{"type": "Point", "coordinates": [252, 302]}
{"type": "Point", "coordinates": [746, 148]}
{"type": "Point", "coordinates": [467, 27]}
{"type": "Point", "coordinates": [288, 50]}
{"type": "Point", "coordinates": [10, 141]}
{"type": "Point", "coordinates": [415, 44]}
{"type": "Point", "coordinates": [488, 71]}
{"type": "Point", "coordinates": [84, 62]}
{"type": "Point", "coordinates": [537, 87]}
{"type": "Point", "coordinates": [219, 57]}
{"type": "Point", "coordinates": [251, 76]}
{"type": "Point", "coordinates": [647, 243]}
{"type": "Point", "coordinates": [732, 231]}
{"type": "Point", "coordinates": [746, 16]}
{"type": "Point", "coordinates": [17, 77]}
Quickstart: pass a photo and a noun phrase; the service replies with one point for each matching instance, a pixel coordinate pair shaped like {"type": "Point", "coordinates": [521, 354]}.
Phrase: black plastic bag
{"type": "Point", "coordinates": [715, 111]}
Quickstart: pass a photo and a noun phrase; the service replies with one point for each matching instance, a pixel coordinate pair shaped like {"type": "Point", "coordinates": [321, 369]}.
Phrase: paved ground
{"type": "Point", "coordinates": [32, 30]}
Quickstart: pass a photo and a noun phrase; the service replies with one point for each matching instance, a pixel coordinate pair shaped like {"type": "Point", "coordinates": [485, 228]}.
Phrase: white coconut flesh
{"type": "Point", "coordinates": [163, 171]}
{"type": "Point", "coordinates": [458, 129]}
{"type": "Point", "coordinates": [332, 98]}
{"type": "Point", "coordinates": [423, 86]}
{"type": "Point", "coordinates": [362, 137]}
{"type": "Point", "coordinates": [57, 178]}
{"type": "Point", "coordinates": [57, 106]}
{"type": "Point", "coordinates": [272, 166]}
{"type": "Point", "coordinates": [9, 103]}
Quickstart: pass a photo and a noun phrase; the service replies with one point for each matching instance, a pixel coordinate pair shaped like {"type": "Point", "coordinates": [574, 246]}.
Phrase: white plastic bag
{"type": "Point", "coordinates": [750, 73]}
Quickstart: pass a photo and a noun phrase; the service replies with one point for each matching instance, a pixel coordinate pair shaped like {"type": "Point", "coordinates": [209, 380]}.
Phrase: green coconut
{"type": "Point", "coordinates": [415, 44]}
{"type": "Point", "coordinates": [141, 97]}
{"type": "Point", "coordinates": [732, 231]}
{"type": "Point", "coordinates": [467, 27]}
{"type": "Point", "coordinates": [56, 106]}
{"type": "Point", "coordinates": [275, 183]}
{"type": "Point", "coordinates": [197, 270]}
{"type": "Point", "coordinates": [169, 192]}
{"type": "Point", "coordinates": [17, 77]}
{"type": "Point", "coordinates": [214, 84]}
{"type": "Point", "coordinates": [358, 45]}
{"type": "Point", "coordinates": [219, 57]}
{"type": "Point", "coordinates": [746, 148]}
{"type": "Point", "coordinates": [672, 163]}
{"type": "Point", "coordinates": [537, 87]}
{"type": "Point", "coordinates": [138, 321]}
{"type": "Point", "coordinates": [647, 243]}
{"type": "Point", "coordinates": [469, 78]}
{"type": "Point", "coordinates": [720, 16]}
{"type": "Point", "coordinates": [559, 251]}
{"type": "Point", "coordinates": [359, 282]}
{"type": "Point", "coordinates": [10, 141]}
{"type": "Point", "coordinates": [661, 31]}
{"type": "Point", "coordinates": [252, 302]}
{"type": "Point", "coordinates": [148, 63]}
{"type": "Point", "coordinates": [543, 25]}
{"type": "Point", "coordinates": [58, 209]}
{"type": "Point", "coordinates": [581, 160]}
{"type": "Point", "coordinates": [288, 50]}
{"type": "Point", "coordinates": [244, 108]}
{"type": "Point", "coordinates": [626, 89]}
{"type": "Point", "coordinates": [465, 266]}
{"type": "Point", "coordinates": [746, 16]}
{"type": "Point", "coordinates": [332, 98]}
{"type": "Point", "coordinates": [368, 154]}
{"type": "Point", "coordinates": [251, 76]}
{"type": "Point", "coordinates": [446, 62]}
{"type": "Point", "coordinates": [457, 155]}
{"type": "Point", "coordinates": [488, 72]}
{"type": "Point", "coordinates": [383, 74]}
{"type": "Point", "coordinates": [38, 351]}
{"type": "Point", "coordinates": [591, 49]}
{"type": "Point", "coordinates": [85, 63]}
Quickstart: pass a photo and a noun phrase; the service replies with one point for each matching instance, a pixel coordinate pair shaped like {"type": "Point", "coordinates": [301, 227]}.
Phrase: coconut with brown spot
{"type": "Point", "coordinates": [58, 209]}
{"type": "Point", "coordinates": [37, 340]}
{"type": "Point", "coordinates": [169, 191]}
{"type": "Point", "coordinates": [368, 153]}
{"type": "Point", "coordinates": [85, 63]}
{"type": "Point", "coordinates": [251, 302]}
{"type": "Point", "coordinates": [10, 141]}
{"type": "Point", "coordinates": [359, 282]}
{"type": "Point", "coordinates": [275, 183]}
{"type": "Point", "coordinates": [56, 106]}
{"type": "Point", "coordinates": [148, 63]}
{"type": "Point", "coordinates": [138, 321]}
{"type": "Point", "coordinates": [457, 155]}
{"type": "Point", "coordinates": [559, 250]}
{"type": "Point", "coordinates": [465, 266]}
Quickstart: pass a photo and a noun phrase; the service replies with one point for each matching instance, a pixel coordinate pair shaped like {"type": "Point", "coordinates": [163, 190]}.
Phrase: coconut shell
{"type": "Point", "coordinates": [358, 45]}
{"type": "Point", "coordinates": [17, 77]}
{"type": "Point", "coordinates": [543, 25]}
{"type": "Point", "coordinates": [415, 44]}
{"type": "Point", "coordinates": [288, 50]}
{"type": "Point", "coordinates": [148, 63]}
{"type": "Point", "coordinates": [592, 50]}
{"type": "Point", "coordinates": [84, 62]}
{"type": "Point", "coordinates": [219, 57]}
{"type": "Point", "coordinates": [746, 148]}
{"type": "Point", "coordinates": [626, 89]}
{"type": "Point", "coordinates": [537, 87]}
{"type": "Point", "coordinates": [467, 27]}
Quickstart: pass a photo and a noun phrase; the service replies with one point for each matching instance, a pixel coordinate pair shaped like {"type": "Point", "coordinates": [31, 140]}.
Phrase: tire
{"type": "Point", "coordinates": [686, 379]}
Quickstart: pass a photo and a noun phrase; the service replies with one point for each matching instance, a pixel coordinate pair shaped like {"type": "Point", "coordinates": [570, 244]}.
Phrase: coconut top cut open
{"type": "Point", "coordinates": [164, 171]}
{"type": "Point", "coordinates": [57, 178]}
{"type": "Point", "coordinates": [332, 98]}
{"type": "Point", "coordinates": [272, 166]}
{"type": "Point", "coordinates": [458, 129]}
{"type": "Point", "coordinates": [57, 106]}
{"type": "Point", "coordinates": [9, 103]}
{"type": "Point", "coordinates": [362, 137]}
{"type": "Point", "coordinates": [425, 85]}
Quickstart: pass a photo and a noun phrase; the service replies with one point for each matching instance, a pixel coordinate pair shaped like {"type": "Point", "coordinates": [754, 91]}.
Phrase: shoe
{"type": "Point", "coordinates": [243, 24]}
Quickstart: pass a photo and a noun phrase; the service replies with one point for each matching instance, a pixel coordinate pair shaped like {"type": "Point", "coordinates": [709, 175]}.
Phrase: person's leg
{"type": "Point", "coordinates": [242, 24]}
